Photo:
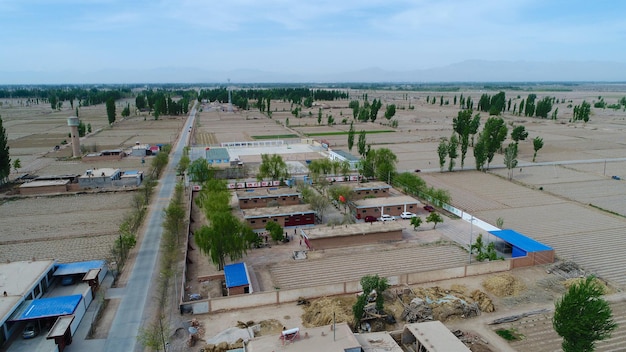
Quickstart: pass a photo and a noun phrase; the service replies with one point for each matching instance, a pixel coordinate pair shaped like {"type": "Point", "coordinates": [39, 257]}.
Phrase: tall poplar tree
{"type": "Point", "coordinates": [5, 159]}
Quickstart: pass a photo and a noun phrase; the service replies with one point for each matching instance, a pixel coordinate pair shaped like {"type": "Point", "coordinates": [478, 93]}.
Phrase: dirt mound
{"type": "Point", "coordinates": [320, 312]}
{"type": "Point", "coordinates": [423, 304]}
{"type": "Point", "coordinates": [570, 282]}
{"type": "Point", "coordinates": [503, 285]}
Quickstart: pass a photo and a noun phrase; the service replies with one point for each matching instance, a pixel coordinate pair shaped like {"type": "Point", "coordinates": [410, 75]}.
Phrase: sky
{"type": "Point", "coordinates": [318, 37]}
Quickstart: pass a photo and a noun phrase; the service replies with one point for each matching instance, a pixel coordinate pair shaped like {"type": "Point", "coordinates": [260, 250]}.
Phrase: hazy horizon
{"type": "Point", "coordinates": [103, 41]}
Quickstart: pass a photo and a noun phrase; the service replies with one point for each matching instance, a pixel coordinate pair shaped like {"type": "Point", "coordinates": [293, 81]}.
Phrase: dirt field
{"type": "Point", "coordinates": [78, 226]}
{"type": "Point", "coordinates": [559, 215]}
{"type": "Point", "coordinates": [547, 202]}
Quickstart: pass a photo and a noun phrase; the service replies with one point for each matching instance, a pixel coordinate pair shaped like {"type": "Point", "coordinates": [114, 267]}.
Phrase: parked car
{"type": "Point", "coordinates": [30, 330]}
{"type": "Point", "coordinates": [386, 217]}
{"type": "Point", "coordinates": [429, 208]}
{"type": "Point", "coordinates": [370, 218]}
{"type": "Point", "coordinates": [408, 215]}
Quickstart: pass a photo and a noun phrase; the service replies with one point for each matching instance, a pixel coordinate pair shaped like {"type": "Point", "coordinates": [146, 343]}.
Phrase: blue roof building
{"type": "Point", "coordinates": [237, 279]}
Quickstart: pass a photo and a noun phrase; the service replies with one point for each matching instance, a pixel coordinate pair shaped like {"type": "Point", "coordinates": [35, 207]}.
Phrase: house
{"type": "Point", "coordinates": [109, 178]}
{"type": "Point", "coordinates": [342, 155]}
{"type": "Point", "coordinates": [113, 154]}
{"type": "Point", "coordinates": [374, 189]}
{"type": "Point", "coordinates": [262, 197]}
{"type": "Point", "coordinates": [217, 156]}
{"type": "Point", "coordinates": [376, 207]}
{"type": "Point", "coordinates": [237, 279]}
{"type": "Point", "coordinates": [34, 292]}
{"type": "Point", "coordinates": [351, 234]}
{"type": "Point", "coordinates": [290, 215]}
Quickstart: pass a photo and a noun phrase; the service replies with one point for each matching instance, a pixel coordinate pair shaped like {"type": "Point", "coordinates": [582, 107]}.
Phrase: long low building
{"type": "Point", "coordinates": [351, 235]}
{"type": "Point", "coordinates": [262, 197]}
{"type": "Point", "coordinates": [290, 215]}
{"type": "Point", "coordinates": [385, 205]}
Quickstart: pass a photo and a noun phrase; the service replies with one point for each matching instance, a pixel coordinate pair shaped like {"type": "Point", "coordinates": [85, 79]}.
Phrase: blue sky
{"type": "Point", "coordinates": [316, 36]}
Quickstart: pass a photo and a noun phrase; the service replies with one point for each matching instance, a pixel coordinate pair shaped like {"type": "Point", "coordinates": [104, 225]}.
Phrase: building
{"type": "Point", "coordinates": [372, 189]}
{"type": "Point", "coordinates": [217, 156]}
{"type": "Point", "coordinates": [525, 250]}
{"type": "Point", "coordinates": [351, 235]}
{"type": "Point", "coordinates": [388, 205]}
{"type": "Point", "coordinates": [36, 292]}
{"type": "Point", "coordinates": [109, 178]}
{"type": "Point", "coordinates": [43, 187]}
{"type": "Point", "coordinates": [105, 155]}
{"type": "Point", "coordinates": [342, 155]}
{"type": "Point", "coordinates": [140, 149]}
{"type": "Point", "coordinates": [237, 279]}
{"type": "Point", "coordinates": [290, 215]}
{"type": "Point", "coordinates": [431, 336]}
{"type": "Point", "coordinates": [263, 197]}
{"type": "Point", "coordinates": [21, 282]}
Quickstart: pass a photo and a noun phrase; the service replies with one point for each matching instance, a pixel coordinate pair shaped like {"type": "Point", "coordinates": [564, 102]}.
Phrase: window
{"type": "Point", "coordinates": [364, 211]}
{"type": "Point", "coordinates": [253, 221]}
{"type": "Point", "coordinates": [37, 291]}
{"type": "Point", "coordinates": [264, 221]}
{"type": "Point", "coordinates": [410, 207]}
{"type": "Point", "coordinates": [245, 202]}
{"type": "Point", "coordinates": [388, 208]}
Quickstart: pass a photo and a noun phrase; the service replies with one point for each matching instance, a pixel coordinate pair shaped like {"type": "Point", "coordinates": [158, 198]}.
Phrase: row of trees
{"type": "Point", "coordinates": [490, 140]}
{"type": "Point", "coordinates": [5, 158]}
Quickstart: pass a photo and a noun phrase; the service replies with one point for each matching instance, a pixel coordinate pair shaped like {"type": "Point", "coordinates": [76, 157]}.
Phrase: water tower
{"type": "Point", "coordinates": [75, 140]}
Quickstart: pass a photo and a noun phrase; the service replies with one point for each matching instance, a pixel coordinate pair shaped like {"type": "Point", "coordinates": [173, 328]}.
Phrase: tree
{"type": "Point", "coordinates": [319, 204]}
{"type": "Point", "coordinates": [390, 111]}
{"type": "Point", "coordinates": [530, 105]}
{"type": "Point", "coordinates": [462, 126]}
{"type": "Point", "coordinates": [537, 144]}
{"type": "Point", "coordinates": [222, 238]}
{"type": "Point", "coordinates": [582, 112]}
{"type": "Point", "coordinates": [275, 230]}
{"type": "Point", "coordinates": [5, 159]}
{"type": "Point", "coordinates": [494, 133]}
{"type": "Point", "coordinates": [480, 154]}
{"type": "Point", "coordinates": [110, 105]}
{"type": "Point", "coordinates": [582, 316]}
{"type": "Point", "coordinates": [519, 133]}
{"type": "Point", "coordinates": [351, 136]}
{"type": "Point", "coordinates": [200, 171]}
{"type": "Point", "coordinates": [183, 164]}
{"type": "Point", "coordinates": [354, 105]}
{"type": "Point", "coordinates": [384, 161]}
{"type": "Point", "coordinates": [510, 158]}
{"type": "Point", "coordinates": [17, 163]}
{"type": "Point", "coordinates": [272, 167]}
{"type": "Point", "coordinates": [452, 150]}
{"type": "Point", "coordinates": [126, 110]}
{"type": "Point", "coordinates": [319, 116]}
{"type": "Point", "coordinates": [435, 218]}
{"type": "Point", "coordinates": [362, 143]}
{"type": "Point", "coordinates": [442, 152]}
{"type": "Point", "coordinates": [416, 222]}
{"type": "Point", "coordinates": [543, 107]}
{"type": "Point", "coordinates": [371, 284]}
{"type": "Point", "coordinates": [376, 105]}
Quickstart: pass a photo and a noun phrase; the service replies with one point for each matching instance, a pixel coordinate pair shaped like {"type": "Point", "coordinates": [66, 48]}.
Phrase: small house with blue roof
{"type": "Point", "coordinates": [237, 279]}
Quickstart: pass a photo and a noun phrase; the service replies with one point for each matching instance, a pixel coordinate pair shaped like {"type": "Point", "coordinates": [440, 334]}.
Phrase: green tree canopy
{"type": "Point", "coordinates": [494, 133]}
{"type": "Point", "coordinates": [223, 237]}
{"type": "Point", "coordinates": [435, 218]}
{"type": "Point", "coordinates": [275, 230]}
{"type": "Point", "coordinates": [390, 111]}
{"type": "Point", "coordinates": [510, 158]}
{"type": "Point", "coordinates": [351, 134]}
{"type": "Point", "coordinates": [582, 316]}
{"type": "Point", "coordinates": [110, 105]}
{"type": "Point", "coordinates": [519, 133]}
{"type": "Point", "coordinates": [362, 143]}
{"type": "Point", "coordinates": [537, 144]}
{"type": "Point", "coordinates": [272, 167]}
{"type": "Point", "coordinates": [200, 171]}
{"type": "Point", "coordinates": [5, 158]}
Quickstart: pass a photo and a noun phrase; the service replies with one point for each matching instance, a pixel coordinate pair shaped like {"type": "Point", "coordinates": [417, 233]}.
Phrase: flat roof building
{"type": "Point", "coordinates": [384, 205]}
{"type": "Point", "coordinates": [358, 234]}
{"type": "Point", "coordinates": [290, 215]}
{"type": "Point", "coordinates": [262, 197]}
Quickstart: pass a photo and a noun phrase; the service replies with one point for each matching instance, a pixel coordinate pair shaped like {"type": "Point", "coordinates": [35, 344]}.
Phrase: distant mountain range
{"type": "Point", "coordinates": [466, 71]}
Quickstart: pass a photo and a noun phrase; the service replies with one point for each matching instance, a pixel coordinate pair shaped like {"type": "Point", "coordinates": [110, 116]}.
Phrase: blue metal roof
{"type": "Point", "coordinates": [47, 307]}
{"type": "Point", "coordinates": [235, 275]}
{"type": "Point", "coordinates": [524, 243]}
{"type": "Point", "coordinates": [78, 267]}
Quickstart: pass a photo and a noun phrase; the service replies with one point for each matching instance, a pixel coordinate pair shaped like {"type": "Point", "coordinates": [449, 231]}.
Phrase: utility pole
{"type": "Point", "coordinates": [470, 242]}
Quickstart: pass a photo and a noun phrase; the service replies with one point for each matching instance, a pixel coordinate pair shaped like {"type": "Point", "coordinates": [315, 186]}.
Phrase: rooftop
{"type": "Point", "coordinates": [385, 201]}
{"type": "Point", "coordinates": [436, 336]}
{"type": "Point", "coordinates": [277, 211]}
{"type": "Point", "coordinates": [44, 183]}
{"type": "Point", "coordinates": [520, 241]}
{"type": "Point", "coordinates": [78, 267]}
{"type": "Point", "coordinates": [266, 192]}
{"type": "Point", "coordinates": [16, 278]}
{"type": "Point", "coordinates": [378, 342]}
{"type": "Point", "coordinates": [47, 307]}
{"type": "Point", "coordinates": [352, 229]}
{"type": "Point", "coordinates": [346, 155]}
{"type": "Point", "coordinates": [100, 172]}
{"type": "Point", "coordinates": [311, 340]}
{"type": "Point", "coordinates": [216, 153]}
{"type": "Point", "coordinates": [367, 185]}
{"type": "Point", "coordinates": [236, 275]}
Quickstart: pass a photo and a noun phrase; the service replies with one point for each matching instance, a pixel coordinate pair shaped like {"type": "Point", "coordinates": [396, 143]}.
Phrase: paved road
{"type": "Point", "coordinates": [130, 314]}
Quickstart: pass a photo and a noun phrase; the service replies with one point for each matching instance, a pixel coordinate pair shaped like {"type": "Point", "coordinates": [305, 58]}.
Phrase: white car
{"type": "Point", "coordinates": [407, 215]}
{"type": "Point", "coordinates": [386, 217]}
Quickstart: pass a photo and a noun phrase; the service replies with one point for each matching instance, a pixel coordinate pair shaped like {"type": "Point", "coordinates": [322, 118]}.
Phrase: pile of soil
{"type": "Point", "coordinates": [437, 303]}
{"type": "Point", "coordinates": [320, 312]}
{"type": "Point", "coordinates": [605, 289]}
{"type": "Point", "coordinates": [503, 285]}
